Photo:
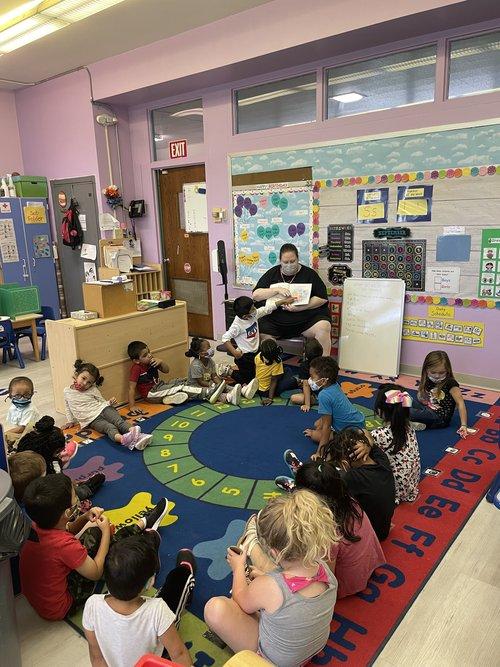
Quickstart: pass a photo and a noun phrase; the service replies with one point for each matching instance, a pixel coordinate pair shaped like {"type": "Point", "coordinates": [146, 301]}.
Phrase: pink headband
{"type": "Point", "coordinates": [396, 396]}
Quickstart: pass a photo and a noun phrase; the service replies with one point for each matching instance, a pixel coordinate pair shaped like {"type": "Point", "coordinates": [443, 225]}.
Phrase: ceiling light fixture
{"type": "Point", "coordinates": [34, 20]}
{"type": "Point", "coordinates": [345, 98]}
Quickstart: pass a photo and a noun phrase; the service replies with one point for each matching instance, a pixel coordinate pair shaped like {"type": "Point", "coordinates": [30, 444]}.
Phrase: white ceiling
{"type": "Point", "coordinates": [126, 26]}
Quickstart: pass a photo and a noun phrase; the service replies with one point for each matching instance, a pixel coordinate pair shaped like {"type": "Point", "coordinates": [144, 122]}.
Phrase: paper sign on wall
{"type": "Point", "coordinates": [83, 221]}
{"type": "Point", "coordinates": [34, 214]}
{"type": "Point", "coordinates": [88, 251]}
{"type": "Point", "coordinates": [372, 205]}
{"type": "Point", "coordinates": [8, 250]}
{"type": "Point", "coordinates": [447, 312]}
{"type": "Point", "coordinates": [414, 203]}
{"type": "Point", "coordinates": [41, 245]}
{"type": "Point", "coordinates": [7, 232]}
{"type": "Point", "coordinates": [443, 280]}
{"type": "Point", "coordinates": [451, 332]}
{"type": "Point", "coordinates": [90, 272]}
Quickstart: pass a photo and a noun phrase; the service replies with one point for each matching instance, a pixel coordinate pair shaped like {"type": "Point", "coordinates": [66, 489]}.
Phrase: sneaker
{"type": "Point", "coordinates": [143, 441]}
{"type": "Point", "coordinates": [90, 486]}
{"type": "Point", "coordinates": [176, 399]}
{"type": "Point", "coordinates": [250, 389]}
{"type": "Point", "coordinates": [186, 558]}
{"type": "Point", "coordinates": [128, 439]}
{"type": "Point", "coordinates": [290, 458]}
{"type": "Point", "coordinates": [224, 370]}
{"type": "Point", "coordinates": [136, 432]}
{"type": "Point", "coordinates": [153, 518]}
{"type": "Point", "coordinates": [214, 396]}
{"type": "Point", "coordinates": [418, 426]}
{"type": "Point", "coordinates": [234, 396]}
{"type": "Point", "coordinates": [69, 452]}
{"type": "Point", "coordinates": [285, 483]}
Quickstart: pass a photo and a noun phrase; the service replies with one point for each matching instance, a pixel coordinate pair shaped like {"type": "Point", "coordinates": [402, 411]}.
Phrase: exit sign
{"type": "Point", "coordinates": [177, 149]}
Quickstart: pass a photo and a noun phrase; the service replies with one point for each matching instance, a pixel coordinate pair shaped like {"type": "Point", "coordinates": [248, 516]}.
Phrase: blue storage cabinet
{"type": "Point", "coordinates": [35, 263]}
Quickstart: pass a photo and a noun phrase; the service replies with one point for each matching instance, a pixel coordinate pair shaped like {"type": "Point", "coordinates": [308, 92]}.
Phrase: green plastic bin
{"type": "Point", "coordinates": [17, 300]}
{"type": "Point", "coordinates": [31, 186]}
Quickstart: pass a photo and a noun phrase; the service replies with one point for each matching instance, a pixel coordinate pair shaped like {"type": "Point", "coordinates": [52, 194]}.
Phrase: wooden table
{"type": "Point", "coordinates": [29, 320]}
{"type": "Point", "coordinates": [104, 341]}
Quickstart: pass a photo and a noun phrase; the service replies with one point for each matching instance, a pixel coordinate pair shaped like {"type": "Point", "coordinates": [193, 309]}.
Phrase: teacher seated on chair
{"type": "Point", "coordinates": [311, 320]}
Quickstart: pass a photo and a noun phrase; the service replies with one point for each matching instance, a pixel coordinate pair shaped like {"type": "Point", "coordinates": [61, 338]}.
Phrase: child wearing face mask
{"type": "Point", "coordinates": [438, 395]}
{"type": "Point", "coordinates": [23, 413]}
{"type": "Point", "coordinates": [335, 409]}
{"type": "Point", "coordinates": [86, 405]}
{"type": "Point", "coordinates": [244, 332]}
{"type": "Point", "coordinates": [202, 375]}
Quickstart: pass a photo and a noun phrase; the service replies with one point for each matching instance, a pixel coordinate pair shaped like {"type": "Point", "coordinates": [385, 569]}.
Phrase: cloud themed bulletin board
{"type": "Point", "coordinates": [265, 217]}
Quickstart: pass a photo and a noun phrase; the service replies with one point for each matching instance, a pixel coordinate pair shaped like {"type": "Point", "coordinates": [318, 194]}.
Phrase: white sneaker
{"type": "Point", "coordinates": [143, 441]}
{"type": "Point", "coordinates": [215, 395]}
{"type": "Point", "coordinates": [176, 399]}
{"type": "Point", "coordinates": [224, 370]}
{"type": "Point", "coordinates": [234, 396]}
{"type": "Point", "coordinates": [418, 426]}
{"type": "Point", "coordinates": [250, 389]}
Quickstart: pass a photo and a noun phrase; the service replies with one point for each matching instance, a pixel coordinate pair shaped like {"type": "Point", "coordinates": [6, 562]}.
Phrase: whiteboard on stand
{"type": "Point", "coordinates": [371, 325]}
{"type": "Point", "coordinates": [195, 207]}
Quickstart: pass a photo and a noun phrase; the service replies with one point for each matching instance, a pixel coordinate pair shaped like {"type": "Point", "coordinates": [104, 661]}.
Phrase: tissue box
{"type": "Point", "coordinates": [84, 315]}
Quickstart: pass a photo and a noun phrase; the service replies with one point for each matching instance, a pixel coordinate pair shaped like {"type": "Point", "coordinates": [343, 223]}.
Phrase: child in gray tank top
{"type": "Point", "coordinates": [295, 601]}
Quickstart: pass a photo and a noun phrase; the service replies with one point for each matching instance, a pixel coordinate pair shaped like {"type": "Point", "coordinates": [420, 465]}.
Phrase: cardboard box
{"type": "Point", "coordinates": [110, 300]}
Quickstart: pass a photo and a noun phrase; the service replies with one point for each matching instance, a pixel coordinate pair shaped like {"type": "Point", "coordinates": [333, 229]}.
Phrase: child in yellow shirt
{"type": "Point", "coordinates": [272, 377]}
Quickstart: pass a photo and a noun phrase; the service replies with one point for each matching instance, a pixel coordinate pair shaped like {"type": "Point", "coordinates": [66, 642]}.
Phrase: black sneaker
{"type": "Point", "coordinates": [285, 483]}
{"type": "Point", "coordinates": [154, 516]}
{"type": "Point", "coordinates": [186, 558]}
{"type": "Point", "coordinates": [290, 458]}
{"type": "Point", "coordinates": [95, 482]}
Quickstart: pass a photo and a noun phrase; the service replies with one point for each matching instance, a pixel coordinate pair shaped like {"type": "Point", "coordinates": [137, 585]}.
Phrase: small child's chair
{"type": "Point", "coordinates": [48, 314]}
{"type": "Point", "coordinates": [9, 343]}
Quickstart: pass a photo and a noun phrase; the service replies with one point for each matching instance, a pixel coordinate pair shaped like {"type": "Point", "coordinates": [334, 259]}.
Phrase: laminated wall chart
{"type": "Point", "coordinates": [265, 217]}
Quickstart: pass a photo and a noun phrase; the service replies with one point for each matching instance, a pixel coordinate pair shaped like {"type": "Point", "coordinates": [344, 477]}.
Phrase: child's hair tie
{"type": "Point", "coordinates": [395, 396]}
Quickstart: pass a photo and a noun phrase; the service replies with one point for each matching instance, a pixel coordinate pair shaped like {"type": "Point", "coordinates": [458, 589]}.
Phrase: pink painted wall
{"type": "Point", "coordinates": [10, 151]}
{"type": "Point", "coordinates": [282, 24]}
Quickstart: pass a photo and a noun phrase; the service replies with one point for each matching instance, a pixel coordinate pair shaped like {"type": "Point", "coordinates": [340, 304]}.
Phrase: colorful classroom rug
{"type": "Point", "coordinates": [216, 466]}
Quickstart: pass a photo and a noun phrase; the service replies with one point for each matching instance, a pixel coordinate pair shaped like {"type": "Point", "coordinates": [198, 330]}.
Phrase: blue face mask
{"type": "Point", "coordinates": [21, 402]}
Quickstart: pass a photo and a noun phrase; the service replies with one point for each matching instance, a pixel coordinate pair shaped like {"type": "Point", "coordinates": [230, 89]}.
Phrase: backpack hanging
{"type": "Point", "coordinates": [71, 230]}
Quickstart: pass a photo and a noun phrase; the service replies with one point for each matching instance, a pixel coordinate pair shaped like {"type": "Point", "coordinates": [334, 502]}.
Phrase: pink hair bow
{"type": "Point", "coordinates": [396, 396]}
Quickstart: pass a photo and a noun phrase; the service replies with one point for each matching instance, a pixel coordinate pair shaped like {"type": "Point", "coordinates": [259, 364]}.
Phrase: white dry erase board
{"type": "Point", "coordinates": [195, 207]}
{"type": "Point", "coordinates": [372, 321]}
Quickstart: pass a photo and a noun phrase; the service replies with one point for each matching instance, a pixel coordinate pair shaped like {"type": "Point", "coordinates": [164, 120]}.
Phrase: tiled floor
{"type": "Point", "coordinates": [453, 622]}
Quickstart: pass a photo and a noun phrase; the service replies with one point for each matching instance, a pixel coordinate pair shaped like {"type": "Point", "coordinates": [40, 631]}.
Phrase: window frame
{"type": "Point", "coordinates": [457, 38]}
{"type": "Point", "coordinates": [150, 111]}
{"type": "Point", "coordinates": [263, 82]}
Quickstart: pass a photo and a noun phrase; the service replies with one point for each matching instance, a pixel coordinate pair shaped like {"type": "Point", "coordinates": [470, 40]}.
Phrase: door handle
{"type": "Point", "coordinates": [25, 270]}
{"type": "Point", "coordinates": [178, 249]}
{"type": "Point", "coordinates": [34, 263]}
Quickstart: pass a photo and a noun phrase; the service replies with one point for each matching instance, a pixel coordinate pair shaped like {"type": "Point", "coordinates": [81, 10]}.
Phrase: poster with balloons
{"type": "Point", "coordinates": [266, 217]}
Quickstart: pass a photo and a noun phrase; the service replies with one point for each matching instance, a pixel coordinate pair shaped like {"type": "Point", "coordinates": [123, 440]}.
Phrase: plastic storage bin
{"type": "Point", "coordinates": [31, 186]}
{"type": "Point", "coordinates": [17, 300]}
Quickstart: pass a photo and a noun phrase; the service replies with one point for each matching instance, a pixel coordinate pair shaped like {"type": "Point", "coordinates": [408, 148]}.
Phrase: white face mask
{"type": "Point", "coordinates": [290, 268]}
{"type": "Point", "coordinates": [209, 353]}
{"type": "Point", "coordinates": [314, 385]}
{"type": "Point", "coordinates": [437, 378]}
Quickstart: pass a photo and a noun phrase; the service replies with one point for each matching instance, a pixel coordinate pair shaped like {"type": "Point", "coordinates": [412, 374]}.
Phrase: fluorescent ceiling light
{"type": "Point", "coordinates": [34, 20]}
{"type": "Point", "coordinates": [345, 98]}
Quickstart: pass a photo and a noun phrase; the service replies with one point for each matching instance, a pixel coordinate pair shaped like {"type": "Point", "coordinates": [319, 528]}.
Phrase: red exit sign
{"type": "Point", "coordinates": [177, 149]}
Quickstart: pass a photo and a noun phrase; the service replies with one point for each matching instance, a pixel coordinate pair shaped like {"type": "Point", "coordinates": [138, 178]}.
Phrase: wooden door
{"type": "Point", "coordinates": [187, 255]}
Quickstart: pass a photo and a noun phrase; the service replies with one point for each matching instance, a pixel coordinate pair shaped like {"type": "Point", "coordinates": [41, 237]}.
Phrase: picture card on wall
{"type": "Point", "coordinates": [372, 205]}
{"type": "Point", "coordinates": [340, 243]}
{"type": "Point", "coordinates": [489, 264]}
{"type": "Point", "coordinates": [414, 203]}
{"type": "Point", "coordinates": [453, 248]}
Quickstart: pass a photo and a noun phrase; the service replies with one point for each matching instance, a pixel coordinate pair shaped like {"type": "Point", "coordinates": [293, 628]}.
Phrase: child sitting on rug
{"type": "Point", "coordinates": [124, 624]}
{"type": "Point", "coordinates": [272, 378]}
{"type": "Point", "coordinates": [24, 467]}
{"type": "Point", "coordinates": [312, 350]}
{"type": "Point", "coordinates": [438, 395]}
{"type": "Point", "coordinates": [369, 477]}
{"type": "Point", "coordinates": [244, 331]}
{"type": "Point", "coordinates": [58, 570]}
{"type": "Point", "coordinates": [354, 558]}
{"type": "Point", "coordinates": [335, 409]}
{"type": "Point", "coordinates": [48, 440]}
{"type": "Point", "coordinates": [86, 405]}
{"type": "Point", "coordinates": [295, 601]}
{"type": "Point", "coordinates": [397, 439]}
{"type": "Point", "coordinates": [22, 414]}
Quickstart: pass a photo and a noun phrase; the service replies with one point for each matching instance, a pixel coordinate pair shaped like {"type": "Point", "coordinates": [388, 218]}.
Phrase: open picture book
{"type": "Point", "coordinates": [300, 290]}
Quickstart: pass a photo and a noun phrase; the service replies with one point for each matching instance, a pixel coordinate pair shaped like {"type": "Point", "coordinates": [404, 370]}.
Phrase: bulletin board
{"type": "Point", "coordinates": [445, 215]}
{"type": "Point", "coordinates": [264, 218]}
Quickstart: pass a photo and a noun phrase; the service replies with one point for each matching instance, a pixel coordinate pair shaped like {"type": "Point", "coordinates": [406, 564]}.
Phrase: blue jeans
{"type": "Point", "coordinates": [423, 414]}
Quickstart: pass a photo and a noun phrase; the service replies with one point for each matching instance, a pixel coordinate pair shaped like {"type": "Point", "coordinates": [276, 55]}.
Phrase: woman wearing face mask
{"type": "Point", "coordinates": [438, 396]}
{"type": "Point", "coordinates": [311, 320]}
{"type": "Point", "coordinates": [23, 413]}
